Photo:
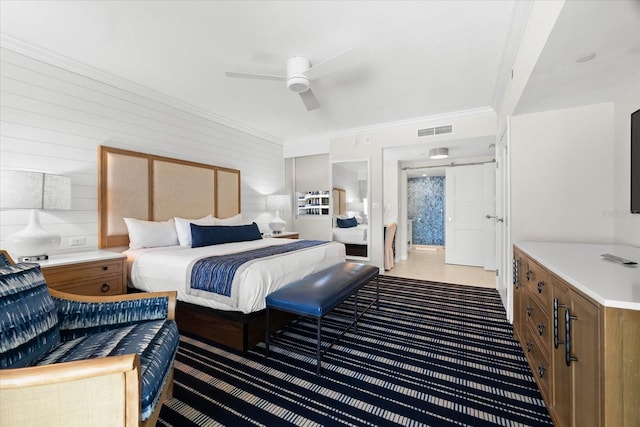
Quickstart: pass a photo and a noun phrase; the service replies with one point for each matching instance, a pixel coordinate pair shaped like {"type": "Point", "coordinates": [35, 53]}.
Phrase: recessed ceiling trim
{"type": "Point", "coordinates": [421, 121]}
{"type": "Point", "coordinates": [68, 64]}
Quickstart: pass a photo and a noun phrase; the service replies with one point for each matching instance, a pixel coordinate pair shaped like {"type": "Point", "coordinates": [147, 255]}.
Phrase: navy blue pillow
{"type": "Point", "coordinates": [347, 223]}
{"type": "Point", "coordinates": [207, 235]}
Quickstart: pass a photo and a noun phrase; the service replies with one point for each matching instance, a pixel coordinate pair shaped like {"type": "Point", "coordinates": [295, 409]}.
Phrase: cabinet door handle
{"type": "Point", "coordinates": [105, 287]}
{"type": "Point", "coordinates": [528, 274]}
{"type": "Point", "coordinates": [540, 328]}
{"type": "Point", "coordinates": [567, 344]}
{"type": "Point", "coordinates": [556, 338]}
{"type": "Point", "coordinates": [529, 345]}
{"type": "Point", "coordinates": [528, 311]}
{"type": "Point", "coordinates": [540, 285]}
{"type": "Point", "coordinates": [105, 268]}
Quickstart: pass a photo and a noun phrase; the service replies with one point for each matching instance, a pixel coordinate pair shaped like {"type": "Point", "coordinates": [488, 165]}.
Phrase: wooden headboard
{"type": "Point", "coordinates": [156, 188]}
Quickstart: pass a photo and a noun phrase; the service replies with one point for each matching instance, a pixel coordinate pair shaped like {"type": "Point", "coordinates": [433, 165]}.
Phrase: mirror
{"type": "Point", "coordinates": [350, 206]}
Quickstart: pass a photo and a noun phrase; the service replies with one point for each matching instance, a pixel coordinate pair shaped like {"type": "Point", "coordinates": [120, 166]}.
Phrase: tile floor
{"type": "Point", "coordinates": [430, 265]}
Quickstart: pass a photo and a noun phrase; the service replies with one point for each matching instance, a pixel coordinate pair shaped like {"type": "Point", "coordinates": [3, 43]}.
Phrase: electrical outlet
{"type": "Point", "coordinates": [77, 241]}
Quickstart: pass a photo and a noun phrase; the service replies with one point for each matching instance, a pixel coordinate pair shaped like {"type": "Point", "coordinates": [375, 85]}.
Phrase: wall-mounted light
{"type": "Point", "coordinates": [438, 153]}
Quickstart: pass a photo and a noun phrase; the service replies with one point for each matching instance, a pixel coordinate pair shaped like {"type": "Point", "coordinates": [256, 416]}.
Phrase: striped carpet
{"type": "Point", "coordinates": [434, 354]}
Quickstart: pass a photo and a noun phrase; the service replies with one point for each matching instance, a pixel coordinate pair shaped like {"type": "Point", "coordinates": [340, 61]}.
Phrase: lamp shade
{"type": "Point", "coordinates": [278, 202]}
{"type": "Point", "coordinates": [34, 190]}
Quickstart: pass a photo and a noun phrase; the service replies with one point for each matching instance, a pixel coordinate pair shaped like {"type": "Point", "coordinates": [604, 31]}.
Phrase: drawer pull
{"type": "Point", "coordinates": [529, 275]}
{"type": "Point", "coordinates": [540, 328]}
{"type": "Point", "coordinates": [529, 345]}
{"type": "Point", "coordinates": [105, 287]}
{"type": "Point", "coordinates": [540, 285]}
{"type": "Point", "coordinates": [105, 268]}
{"type": "Point", "coordinates": [541, 370]}
{"type": "Point", "coordinates": [528, 311]}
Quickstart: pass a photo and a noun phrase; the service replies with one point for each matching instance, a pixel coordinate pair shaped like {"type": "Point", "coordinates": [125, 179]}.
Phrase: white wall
{"type": "Point", "coordinates": [53, 120]}
{"type": "Point", "coordinates": [626, 225]}
{"type": "Point", "coordinates": [562, 173]}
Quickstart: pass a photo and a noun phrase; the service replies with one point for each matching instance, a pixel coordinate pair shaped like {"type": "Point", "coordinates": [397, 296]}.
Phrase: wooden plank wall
{"type": "Point", "coordinates": [53, 118]}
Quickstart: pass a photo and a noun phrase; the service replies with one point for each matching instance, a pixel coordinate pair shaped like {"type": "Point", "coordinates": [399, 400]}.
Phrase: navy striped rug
{"type": "Point", "coordinates": [434, 354]}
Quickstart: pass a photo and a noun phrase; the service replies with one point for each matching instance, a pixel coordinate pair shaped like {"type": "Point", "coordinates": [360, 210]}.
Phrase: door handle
{"type": "Point", "coordinates": [487, 216]}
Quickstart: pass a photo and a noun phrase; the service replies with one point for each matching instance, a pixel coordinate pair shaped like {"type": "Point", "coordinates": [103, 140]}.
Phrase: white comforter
{"type": "Point", "coordinates": [352, 235]}
{"type": "Point", "coordinates": [169, 268]}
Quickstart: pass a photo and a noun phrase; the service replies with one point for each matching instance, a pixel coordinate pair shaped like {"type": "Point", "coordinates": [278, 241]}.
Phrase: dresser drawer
{"type": "Point", "coordinates": [110, 285]}
{"type": "Point", "coordinates": [540, 365]}
{"type": "Point", "coordinates": [539, 284]}
{"type": "Point", "coordinates": [540, 326]}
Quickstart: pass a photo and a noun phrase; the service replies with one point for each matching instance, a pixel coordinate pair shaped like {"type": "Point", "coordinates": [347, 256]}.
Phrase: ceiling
{"type": "Point", "coordinates": [415, 58]}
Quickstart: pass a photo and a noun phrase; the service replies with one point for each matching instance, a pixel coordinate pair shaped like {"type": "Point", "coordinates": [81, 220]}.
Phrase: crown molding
{"type": "Point", "coordinates": [43, 55]}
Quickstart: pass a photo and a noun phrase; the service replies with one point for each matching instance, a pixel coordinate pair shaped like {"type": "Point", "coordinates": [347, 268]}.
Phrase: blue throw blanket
{"type": "Point", "coordinates": [216, 273]}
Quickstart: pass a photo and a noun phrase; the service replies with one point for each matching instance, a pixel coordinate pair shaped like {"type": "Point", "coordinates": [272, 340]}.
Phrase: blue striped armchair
{"type": "Point", "coordinates": [76, 360]}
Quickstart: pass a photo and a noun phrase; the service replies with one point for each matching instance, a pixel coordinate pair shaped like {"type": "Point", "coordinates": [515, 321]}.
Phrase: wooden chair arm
{"type": "Point", "coordinates": [113, 298]}
{"type": "Point", "coordinates": [64, 393]}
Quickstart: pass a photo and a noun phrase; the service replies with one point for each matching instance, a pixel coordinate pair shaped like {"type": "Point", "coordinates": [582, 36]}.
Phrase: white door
{"type": "Point", "coordinates": [465, 215]}
{"type": "Point", "coordinates": [503, 267]}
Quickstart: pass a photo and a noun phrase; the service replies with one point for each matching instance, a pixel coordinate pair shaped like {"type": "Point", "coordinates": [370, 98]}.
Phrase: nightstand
{"type": "Point", "coordinates": [87, 273]}
{"type": "Point", "coordinates": [284, 235]}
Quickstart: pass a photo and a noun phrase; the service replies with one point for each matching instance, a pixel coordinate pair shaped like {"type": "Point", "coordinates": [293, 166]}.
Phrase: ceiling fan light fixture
{"type": "Point", "coordinates": [298, 84]}
{"type": "Point", "coordinates": [438, 153]}
{"type": "Point", "coordinates": [296, 80]}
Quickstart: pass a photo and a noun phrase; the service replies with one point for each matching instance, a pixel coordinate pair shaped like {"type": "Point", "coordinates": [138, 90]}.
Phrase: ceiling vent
{"type": "Point", "coordinates": [435, 131]}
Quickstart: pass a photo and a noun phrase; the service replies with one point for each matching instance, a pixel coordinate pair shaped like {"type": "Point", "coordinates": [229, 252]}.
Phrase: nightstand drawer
{"type": "Point", "coordinates": [87, 277]}
{"type": "Point", "coordinates": [73, 273]}
{"type": "Point", "coordinates": [111, 285]}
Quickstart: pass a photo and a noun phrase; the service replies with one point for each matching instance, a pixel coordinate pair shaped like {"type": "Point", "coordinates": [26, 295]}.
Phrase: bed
{"type": "Point", "coordinates": [354, 238]}
{"type": "Point", "coordinates": [157, 192]}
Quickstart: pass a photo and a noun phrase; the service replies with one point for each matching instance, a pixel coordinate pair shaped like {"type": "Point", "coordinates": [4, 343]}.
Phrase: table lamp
{"type": "Point", "coordinates": [36, 191]}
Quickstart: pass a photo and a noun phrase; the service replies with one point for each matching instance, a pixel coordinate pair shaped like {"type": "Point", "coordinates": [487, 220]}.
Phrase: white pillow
{"type": "Point", "coordinates": [234, 220]}
{"type": "Point", "coordinates": [183, 228]}
{"type": "Point", "coordinates": [151, 234]}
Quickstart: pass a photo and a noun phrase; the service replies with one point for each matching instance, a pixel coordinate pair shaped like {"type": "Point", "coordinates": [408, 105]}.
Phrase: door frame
{"type": "Point", "coordinates": [503, 230]}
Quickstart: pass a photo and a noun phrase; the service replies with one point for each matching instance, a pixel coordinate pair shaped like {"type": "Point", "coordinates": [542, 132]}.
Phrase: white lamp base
{"type": "Point", "coordinates": [277, 224]}
{"type": "Point", "coordinates": [33, 242]}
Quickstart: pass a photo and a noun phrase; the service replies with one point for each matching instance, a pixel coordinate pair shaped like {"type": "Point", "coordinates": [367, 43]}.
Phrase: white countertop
{"type": "Point", "coordinates": [75, 257]}
{"type": "Point", "coordinates": [580, 264]}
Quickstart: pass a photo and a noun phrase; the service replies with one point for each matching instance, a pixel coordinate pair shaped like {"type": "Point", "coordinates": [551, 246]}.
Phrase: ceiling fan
{"type": "Point", "coordinates": [300, 73]}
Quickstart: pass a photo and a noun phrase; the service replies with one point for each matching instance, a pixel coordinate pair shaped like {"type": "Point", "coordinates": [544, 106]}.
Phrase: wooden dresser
{"type": "Point", "coordinates": [87, 273]}
{"type": "Point", "coordinates": [577, 318]}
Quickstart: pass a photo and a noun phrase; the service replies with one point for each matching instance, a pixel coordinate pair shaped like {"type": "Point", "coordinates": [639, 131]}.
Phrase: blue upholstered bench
{"type": "Point", "coordinates": [318, 294]}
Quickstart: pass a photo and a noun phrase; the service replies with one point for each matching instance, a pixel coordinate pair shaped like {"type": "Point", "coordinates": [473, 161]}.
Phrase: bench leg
{"type": "Point", "coordinates": [266, 340]}
{"type": "Point", "coordinates": [319, 352]}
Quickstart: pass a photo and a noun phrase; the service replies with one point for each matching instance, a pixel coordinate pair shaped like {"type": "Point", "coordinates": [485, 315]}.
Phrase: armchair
{"type": "Point", "coordinates": [70, 360]}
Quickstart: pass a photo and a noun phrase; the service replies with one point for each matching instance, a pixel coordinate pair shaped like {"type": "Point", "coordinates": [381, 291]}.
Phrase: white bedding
{"type": "Point", "coordinates": [352, 235]}
{"type": "Point", "coordinates": [168, 268]}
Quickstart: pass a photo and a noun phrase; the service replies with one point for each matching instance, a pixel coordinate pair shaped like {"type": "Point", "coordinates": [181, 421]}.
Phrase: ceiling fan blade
{"type": "Point", "coordinates": [255, 76]}
{"type": "Point", "coordinates": [310, 100]}
{"type": "Point", "coordinates": [347, 59]}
